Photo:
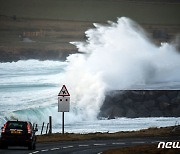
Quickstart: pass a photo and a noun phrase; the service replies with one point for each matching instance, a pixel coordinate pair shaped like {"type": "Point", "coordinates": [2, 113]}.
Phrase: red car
{"type": "Point", "coordinates": [18, 133]}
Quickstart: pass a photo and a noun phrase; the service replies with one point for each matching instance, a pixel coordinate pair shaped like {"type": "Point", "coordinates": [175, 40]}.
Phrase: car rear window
{"type": "Point", "coordinates": [16, 125]}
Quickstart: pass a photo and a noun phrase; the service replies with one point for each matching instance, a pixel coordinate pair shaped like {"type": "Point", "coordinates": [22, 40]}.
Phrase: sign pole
{"type": "Point", "coordinates": [62, 122]}
{"type": "Point", "coordinates": [63, 103]}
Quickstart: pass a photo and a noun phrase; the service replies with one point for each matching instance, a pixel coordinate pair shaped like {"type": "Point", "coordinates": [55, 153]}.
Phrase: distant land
{"type": "Point", "coordinates": [42, 29]}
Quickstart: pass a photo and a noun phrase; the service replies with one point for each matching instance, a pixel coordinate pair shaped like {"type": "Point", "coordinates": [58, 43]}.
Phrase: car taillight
{"type": "Point", "coordinates": [4, 128]}
{"type": "Point", "coordinates": [28, 128]}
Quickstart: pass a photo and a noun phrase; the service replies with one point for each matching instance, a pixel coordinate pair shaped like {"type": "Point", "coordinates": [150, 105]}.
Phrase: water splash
{"type": "Point", "coordinates": [118, 56]}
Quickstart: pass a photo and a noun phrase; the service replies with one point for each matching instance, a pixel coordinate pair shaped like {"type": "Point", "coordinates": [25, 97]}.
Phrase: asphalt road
{"type": "Point", "coordinates": [87, 146]}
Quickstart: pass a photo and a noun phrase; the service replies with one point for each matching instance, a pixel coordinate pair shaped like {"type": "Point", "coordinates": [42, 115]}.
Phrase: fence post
{"type": "Point", "coordinates": [50, 125]}
{"type": "Point", "coordinates": [36, 127]}
{"type": "Point", "coordinates": [33, 125]}
{"type": "Point", "coordinates": [42, 128]}
{"type": "Point", "coordinates": [47, 128]}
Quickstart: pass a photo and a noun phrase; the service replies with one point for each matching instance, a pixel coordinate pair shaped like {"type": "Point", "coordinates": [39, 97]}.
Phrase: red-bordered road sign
{"type": "Point", "coordinates": [63, 92]}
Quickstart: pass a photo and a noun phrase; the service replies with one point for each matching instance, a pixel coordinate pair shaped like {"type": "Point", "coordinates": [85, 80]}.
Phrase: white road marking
{"type": "Point", "coordinates": [54, 149]}
{"type": "Point", "coordinates": [99, 144]}
{"type": "Point", "coordinates": [35, 152]}
{"type": "Point", "coordinates": [155, 141]}
{"type": "Point", "coordinates": [138, 142]}
{"type": "Point", "coordinates": [68, 147]}
{"type": "Point", "coordinates": [84, 145]}
{"type": "Point", "coordinates": [44, 150]}
{"type": "Point", "coordinates": [118, 143]}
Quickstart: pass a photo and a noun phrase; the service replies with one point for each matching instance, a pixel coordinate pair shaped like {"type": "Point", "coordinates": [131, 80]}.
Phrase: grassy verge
{"type": "Point", "coordinates": [142, 149]}
{"type": "Point", "coordinates": [150, 132]}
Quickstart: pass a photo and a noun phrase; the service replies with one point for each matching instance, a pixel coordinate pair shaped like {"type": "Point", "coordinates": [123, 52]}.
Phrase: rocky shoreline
{"type": "Point", "coordinates": [141, 103]}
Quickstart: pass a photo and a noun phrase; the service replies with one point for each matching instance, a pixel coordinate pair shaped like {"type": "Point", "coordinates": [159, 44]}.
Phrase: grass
{"type": "Point", "coordinates": [151, 132]}
{"type": "Point", "coordinates": [94, 10]}
{"type": "Point", "coordinates": [139, 149]}
{"type": "Point", "coordinates": [51, 38]}
{"type": "Point", "coordinates": [142, 149]}
{"type": "Point", "coordinates": [52, 24]}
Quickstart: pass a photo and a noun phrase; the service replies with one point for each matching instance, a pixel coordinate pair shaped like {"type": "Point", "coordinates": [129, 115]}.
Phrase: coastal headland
{"type": "Point", "coordinates": [43, 29]}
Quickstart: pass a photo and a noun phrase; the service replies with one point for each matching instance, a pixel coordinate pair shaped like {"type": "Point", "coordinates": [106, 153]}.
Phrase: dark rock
{"type": "Point", "coordinates": [111, 116]}
{"type": "Point", "coordinates": [163, 98]}
{"type": "Point", "coordinates": [118, 112]}
{"type": "Point", "coordinates": [106, 112]}
{"type": "Point", "coordinates": [163, 105]}
{"type": "Point", "coordinates": [128, 102]}
{"type": "Point", "coordinates": [178, 97]}
{"type": "Point", "coordinates": [175, 101]}
{"type": "Point", "coordinates": [149, 104]}
{"type": "Point", "coordinates": [156, 113]}
{"type": "Point", "coordinates": [149, 95]}
{"type": "Point", "coordinates": [176, 111]}
{"type": "Point", "coordinates": [142, 111]}
{"type": "Point", "coordinates": [137, 95]}
{"type": "Point", "coordinates": [115, 112]}
{"type": "Point", "coordinates": [141, 103]}
{"type": "Point", "coordinates": [131, 114]}
{"type": "Point", "coordinates": [107, 103]}
{"type": "Point", "coordinates": [167, 113]}
{"type": "Point", "coordinates": [112, 112]}
{"type": "Point", "coordinates": [172, 94]}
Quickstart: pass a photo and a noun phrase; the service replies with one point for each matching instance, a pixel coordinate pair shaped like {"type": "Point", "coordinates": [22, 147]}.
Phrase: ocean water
{"type": "Point", "coordinates": [116, 56]}
{"type": "Point", "coordinates": [27, 87]}
{"type": "Point", "coordinates": [29, 91]}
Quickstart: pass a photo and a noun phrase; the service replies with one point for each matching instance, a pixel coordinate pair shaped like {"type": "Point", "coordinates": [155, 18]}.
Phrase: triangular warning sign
{"type": "Point", "coordinates": [64, 91]}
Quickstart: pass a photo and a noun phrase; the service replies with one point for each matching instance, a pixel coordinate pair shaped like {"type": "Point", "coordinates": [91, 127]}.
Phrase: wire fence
{"type": "Point", "coordinates": [44, 128]}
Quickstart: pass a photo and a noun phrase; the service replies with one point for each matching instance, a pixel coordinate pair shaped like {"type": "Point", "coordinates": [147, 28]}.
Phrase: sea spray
{"type": "Point", "coordinates": [125, 56]}
{"type": "Point", "coordinates": [116, 56]}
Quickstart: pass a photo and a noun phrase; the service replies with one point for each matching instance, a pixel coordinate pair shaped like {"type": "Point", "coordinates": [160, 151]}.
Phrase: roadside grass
{"type": "Point", "coordinates": [150, 132]}
{"type": "Point", "coordinates": [142, 149]}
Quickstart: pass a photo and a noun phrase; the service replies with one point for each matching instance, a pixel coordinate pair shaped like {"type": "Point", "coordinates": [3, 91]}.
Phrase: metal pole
{"type": "Point", "coordinates": [62, 122]}
{"type": "Point", "coordinates": [50, 125]}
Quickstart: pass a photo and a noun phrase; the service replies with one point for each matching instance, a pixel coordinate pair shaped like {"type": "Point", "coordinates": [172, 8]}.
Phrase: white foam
{"type": "Point", "coordinates": [117, 56]}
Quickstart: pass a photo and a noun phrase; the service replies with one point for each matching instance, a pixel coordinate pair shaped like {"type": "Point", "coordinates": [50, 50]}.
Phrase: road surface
{"type": "Point", "coordinates": [87, 146]}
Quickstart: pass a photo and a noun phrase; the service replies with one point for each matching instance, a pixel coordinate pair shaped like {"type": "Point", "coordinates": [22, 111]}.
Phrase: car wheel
{"type": "Point", "coordinates": [34, 146]}
{"type": "Point", "coordinates": [30, 147]}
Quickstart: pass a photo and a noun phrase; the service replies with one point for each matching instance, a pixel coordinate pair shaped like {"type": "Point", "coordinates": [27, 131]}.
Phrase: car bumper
{"type": "Point", "coordinates": [16, 141]}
